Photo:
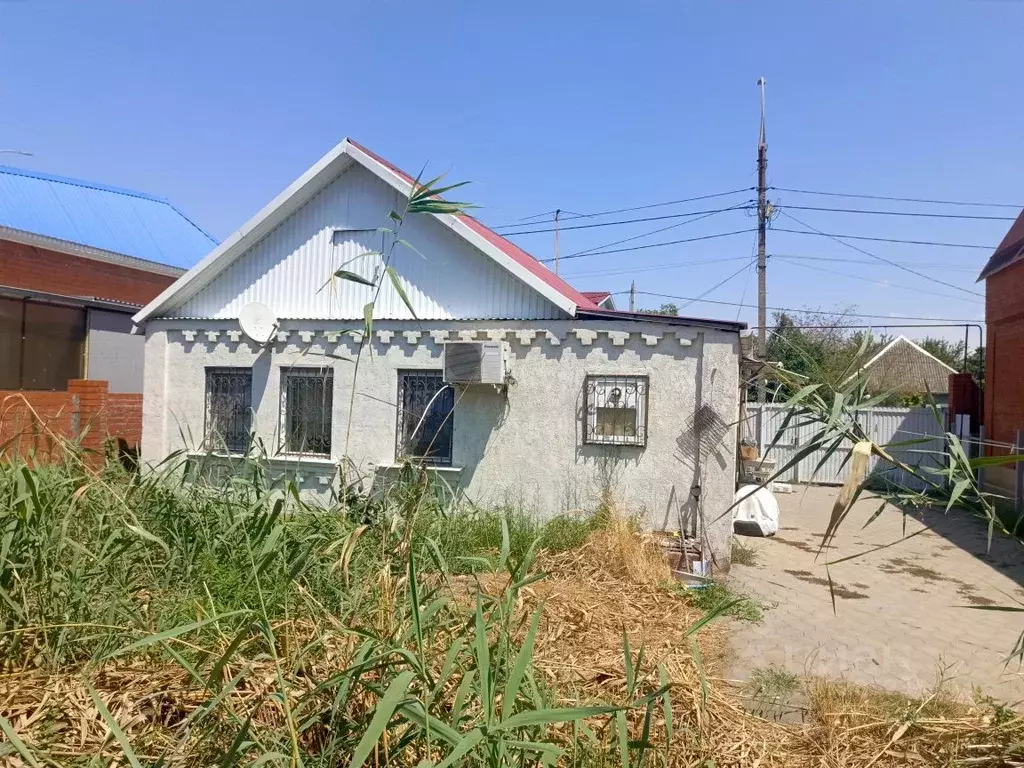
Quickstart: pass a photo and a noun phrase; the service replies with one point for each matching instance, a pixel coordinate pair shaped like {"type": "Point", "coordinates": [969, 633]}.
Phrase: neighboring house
{"type": "Point", "coordinates": [77, 259]}
{"type": "Point", "coordinates": [584, 401]}
{"type": "Point", "coordinates": [1004, 346]}
{"type": "Point", "coordinates": [602, 299]}
{"type": "Point", "coordinates": [903, 368]}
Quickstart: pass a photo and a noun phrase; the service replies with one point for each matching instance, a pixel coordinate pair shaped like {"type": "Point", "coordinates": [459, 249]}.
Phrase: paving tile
{"type": "Point", "coordinates": [900, 615]}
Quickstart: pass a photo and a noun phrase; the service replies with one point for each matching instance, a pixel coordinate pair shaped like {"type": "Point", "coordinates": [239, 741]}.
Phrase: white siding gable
{"type": "Point", "coordinates": [287, 269]}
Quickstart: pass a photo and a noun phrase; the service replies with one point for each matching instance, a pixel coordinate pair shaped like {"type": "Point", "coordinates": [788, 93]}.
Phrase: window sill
{"type": "Point", "coordinates": [429, 467]}
{"type": "Point", "coordinates": [303, 458]}
{"type": "Point", "coordinates": [280, 458]}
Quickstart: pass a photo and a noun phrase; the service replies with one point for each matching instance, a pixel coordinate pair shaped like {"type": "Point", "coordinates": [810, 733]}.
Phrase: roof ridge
{"type": "Point", "coordinates": [43, 176]}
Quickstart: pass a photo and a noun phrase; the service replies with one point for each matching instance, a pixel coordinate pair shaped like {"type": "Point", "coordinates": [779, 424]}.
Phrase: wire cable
{"type": "Point", "coordinates": [818, 311]}
{"type": "Point", "coordinates": [629, 210]}
{"type": "Point", "coordinates": [642, 235]}
{"type": "Point", "coordinates": [897, 199]}
{"type": "Point", "coordinates": [857, 248]}
{"type": "Point", "coordinates": [880, 282]}
{"type": "Point", "coordinates": [649, 245]}
{"type": "Point", "coordinates": [620, 222]}
{"type": "Point", "coordinates": [931, 264]}
{"type": "Point", "coordinates": [916, 214]}
{"type": "Point", "coordinates": [653, 267]}
{"type": "Point", "coordinates": [718, 284]}
{"type": "Point", "coordinates": [834, 235]}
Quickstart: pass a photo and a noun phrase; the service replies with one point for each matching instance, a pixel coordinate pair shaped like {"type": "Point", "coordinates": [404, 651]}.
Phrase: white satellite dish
{"type": "Point", "coordinates": [258, 322]}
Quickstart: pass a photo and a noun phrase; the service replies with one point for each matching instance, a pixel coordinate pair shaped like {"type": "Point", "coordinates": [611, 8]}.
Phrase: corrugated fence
{"type": "Point", "coordinates": [883, 425]}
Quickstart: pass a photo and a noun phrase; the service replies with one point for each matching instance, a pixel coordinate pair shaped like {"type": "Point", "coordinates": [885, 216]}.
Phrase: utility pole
{"type": "Point", "coordinates": [632, 296]}
{"type": "Point", "coordinates": [558, 214]}
{"type": "Point", "coordinates": [762, 233]}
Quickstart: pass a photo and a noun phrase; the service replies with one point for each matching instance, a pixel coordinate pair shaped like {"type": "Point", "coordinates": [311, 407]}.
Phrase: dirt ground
{"type": "Point", "coordinates": [901, 620]}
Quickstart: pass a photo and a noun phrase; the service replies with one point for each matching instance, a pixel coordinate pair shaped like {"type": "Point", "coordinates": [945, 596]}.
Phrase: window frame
{"type": "Point", "coordinates": [310, 372]}
{"type": "Point", "coordinates": [592, 383]}
{"type": "Point", "coordinates": [222, 443]}
{"type": "Point", "coordinates": [444, 459]}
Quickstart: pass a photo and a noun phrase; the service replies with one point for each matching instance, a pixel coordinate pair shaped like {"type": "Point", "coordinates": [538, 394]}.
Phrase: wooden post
{"type": "Point", "coordinates": [1018, 486]}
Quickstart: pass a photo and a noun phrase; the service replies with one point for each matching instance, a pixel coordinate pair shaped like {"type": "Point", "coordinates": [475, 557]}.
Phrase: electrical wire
{"type": "Point", "coordinates": [834, 235]}
{"type": "Point", "coordinates": [857, 248]}
{"type": "Point", "coordinates": [916, 214]}
{"type": "Point", "coordinates": [718, 284]}
{"type": "Point", "coordinates": [653, 267]}
{"type": "Point", "coordinates": [642, 235]}
{"type": "Point", "coordinates": [629, 210]}
{"type": "Point", "coordinates": [649, 245]}
{"type": "Point", "coordinates": [746, 280]}
{"type": "Point", "coordinates": [790, 309]}
{"type": "Point", "coordinates": [932, 264]}
{"type": "Point", "coordinates": [897, 199]}
{"type": "Point", "coordinates": [880, 282]}
{"type": "Point", "coordinates": [620, 222]}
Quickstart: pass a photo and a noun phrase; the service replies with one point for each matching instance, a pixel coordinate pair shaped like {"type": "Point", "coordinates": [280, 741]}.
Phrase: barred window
{"type": "Point", "coordinates": [307, 399]}
{"type": "Point", "coordinates": [228, 409]}
{"type": "Point", "coordinates": [426, 406]}
{"type": "Point", "coordinates": [615, 410]}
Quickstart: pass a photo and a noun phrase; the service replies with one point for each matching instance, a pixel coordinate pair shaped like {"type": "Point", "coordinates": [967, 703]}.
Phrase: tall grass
{"type": "Point", "coordinates": [294, 634]}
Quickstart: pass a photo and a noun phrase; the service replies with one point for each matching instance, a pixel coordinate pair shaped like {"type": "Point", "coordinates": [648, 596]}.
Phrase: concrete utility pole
{"type": "Point", "coordinates": [762, 233]}
{"type": "Point", "coordinates": [558, 214]}
{"type": "Point", "coordinates": [632, 296]}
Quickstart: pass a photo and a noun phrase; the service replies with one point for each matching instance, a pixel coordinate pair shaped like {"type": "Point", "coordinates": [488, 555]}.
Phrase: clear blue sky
{"type": "Point", "coordinates": [579, 106]}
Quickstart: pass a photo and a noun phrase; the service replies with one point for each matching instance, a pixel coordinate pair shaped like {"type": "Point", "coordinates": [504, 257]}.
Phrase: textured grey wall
{"type": "Point", "coordinates": [523, 449]}
{"type": "Point", "coordinates": [114, 354]}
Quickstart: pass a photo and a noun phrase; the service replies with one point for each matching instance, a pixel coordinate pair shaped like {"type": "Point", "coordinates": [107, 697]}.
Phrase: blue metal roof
{"type": "Point", "coordinates": [98, 216]}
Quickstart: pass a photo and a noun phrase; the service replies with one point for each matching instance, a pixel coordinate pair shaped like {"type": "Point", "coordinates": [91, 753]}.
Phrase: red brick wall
{"type": "Point", "coordinates": [31, 421]}
{"type": "Point", "coordinates": [1004, 356]}
{"type": "Point", "coordinates": [37, 269]}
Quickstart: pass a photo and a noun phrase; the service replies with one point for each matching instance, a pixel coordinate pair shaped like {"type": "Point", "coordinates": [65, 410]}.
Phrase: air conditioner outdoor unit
{"type": "Point", "coordinates": [474, 362]}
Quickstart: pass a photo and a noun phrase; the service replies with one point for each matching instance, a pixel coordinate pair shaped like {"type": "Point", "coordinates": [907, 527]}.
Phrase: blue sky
{"type": "Point", "coordinates": [580, 106]}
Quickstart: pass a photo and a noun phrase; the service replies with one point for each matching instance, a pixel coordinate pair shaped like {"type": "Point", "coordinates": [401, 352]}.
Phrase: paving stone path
{"type": "Point", "coordinates": [899, 621]}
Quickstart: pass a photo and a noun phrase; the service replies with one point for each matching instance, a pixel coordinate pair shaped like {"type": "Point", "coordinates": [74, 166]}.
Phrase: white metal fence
{"type": "Point", "coordinates": [883, 425]}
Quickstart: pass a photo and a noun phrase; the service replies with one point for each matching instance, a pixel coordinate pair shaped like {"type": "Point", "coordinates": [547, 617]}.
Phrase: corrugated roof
{"type": "Point", "coordinates": [904, 368]}
{"type": "Point", "coordinates": [1009, 251]}
{"type": "Point", "coordinates": [507, 247]}
{"type": "Point", "coordinates": [101, 217]}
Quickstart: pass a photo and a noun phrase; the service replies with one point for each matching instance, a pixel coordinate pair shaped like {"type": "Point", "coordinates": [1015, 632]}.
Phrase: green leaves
{"type": "Point", "coordinates": [381, 716]}
{"type": "Point", "coordinates": [396, 283]}
{"type": "Point", "coordinates": [352, 277]}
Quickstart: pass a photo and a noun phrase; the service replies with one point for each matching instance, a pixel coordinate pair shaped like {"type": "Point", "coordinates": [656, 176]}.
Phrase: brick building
{"type": "Point", "coordinates": [77, 259]}
{"type": "Point", "coordinates": [1004, 316]}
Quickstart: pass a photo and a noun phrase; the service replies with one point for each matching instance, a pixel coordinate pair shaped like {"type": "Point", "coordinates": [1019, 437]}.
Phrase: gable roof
{"type": "Point", "coordinates": [905, 368]}
{"type": "Point", "coordinates": [603, 299]}
{"type": "Point", "coordinates": [508, 255]}
{"type": "Point", "coordinates": [1009, 251]}
{"type": "Point", "coordinates": [98, 221]}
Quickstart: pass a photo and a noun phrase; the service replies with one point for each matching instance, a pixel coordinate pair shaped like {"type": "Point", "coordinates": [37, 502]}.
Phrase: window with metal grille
{"type": "Point", "coordinates": [307, 399]}
{"type": "Point", "coordinates": [615, 410]}
{"type": "Point", "coordinates": [228, 409]}
{"type": "Point", "coordinates": [426, 406]}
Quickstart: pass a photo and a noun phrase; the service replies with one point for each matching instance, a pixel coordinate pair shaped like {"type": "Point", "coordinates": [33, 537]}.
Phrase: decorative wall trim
{"type": "Point", "coordinates": [438, 337]}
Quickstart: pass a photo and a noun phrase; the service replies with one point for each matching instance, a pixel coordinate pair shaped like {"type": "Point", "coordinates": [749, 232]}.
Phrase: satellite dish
{"type": "Point", "coordinates": [258, 322]}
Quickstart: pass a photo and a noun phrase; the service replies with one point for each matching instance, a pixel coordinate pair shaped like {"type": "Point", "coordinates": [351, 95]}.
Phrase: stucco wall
{"type": "Point", "coordinates": [115, 355]}
{"type": "Point", "coordinates": [524, 448]}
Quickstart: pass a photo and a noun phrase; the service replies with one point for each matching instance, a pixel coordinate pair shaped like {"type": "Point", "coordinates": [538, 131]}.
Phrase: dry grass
{"type": "Point", "coordinates": [613, 584]}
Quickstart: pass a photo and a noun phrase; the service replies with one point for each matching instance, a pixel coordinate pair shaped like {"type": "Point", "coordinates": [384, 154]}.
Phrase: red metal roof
{"type": "Point", "coordinates": [508, 248]}
{"type": "Point", "coordinates": [597, 296]}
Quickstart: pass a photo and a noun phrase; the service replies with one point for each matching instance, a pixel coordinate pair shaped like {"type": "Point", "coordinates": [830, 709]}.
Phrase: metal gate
{"type": "Point", "coordinates": [882, 425]}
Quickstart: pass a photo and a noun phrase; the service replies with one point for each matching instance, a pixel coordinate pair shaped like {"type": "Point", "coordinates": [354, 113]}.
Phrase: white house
{"type": "Point", "coordinates": [583, 400]}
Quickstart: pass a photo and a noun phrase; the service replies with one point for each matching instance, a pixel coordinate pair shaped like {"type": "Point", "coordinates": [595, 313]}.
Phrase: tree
{"type": "Point", "coordinates": [664, 309]}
